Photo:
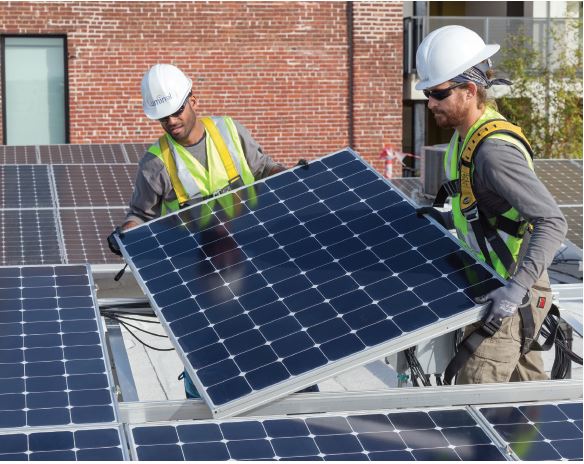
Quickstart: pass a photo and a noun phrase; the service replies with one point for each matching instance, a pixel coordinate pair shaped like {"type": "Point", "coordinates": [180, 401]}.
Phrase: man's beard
{"type": "Point", "coordinates": [448, 120]}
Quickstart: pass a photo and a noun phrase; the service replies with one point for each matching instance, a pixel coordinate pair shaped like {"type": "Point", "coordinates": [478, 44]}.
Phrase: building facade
{"type": "Point", "coordinates": [306, 78]}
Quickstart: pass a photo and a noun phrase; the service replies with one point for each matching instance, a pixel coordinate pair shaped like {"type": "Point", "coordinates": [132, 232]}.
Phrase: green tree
{"type": "Point", "coordinates": [546, 96]}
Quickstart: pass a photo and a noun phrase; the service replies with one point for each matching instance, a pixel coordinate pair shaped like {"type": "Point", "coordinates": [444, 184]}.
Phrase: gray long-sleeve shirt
{"type": "Point", "coordinates": [153, 186]}
{"type": "Point", "coordinates": [502, 179]}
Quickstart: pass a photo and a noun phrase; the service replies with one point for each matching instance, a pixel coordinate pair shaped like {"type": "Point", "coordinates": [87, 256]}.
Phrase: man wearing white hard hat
{"type": "Point", "coordinates": [500, 210]}
{"type": "Point", "coordinates": [196, 158]}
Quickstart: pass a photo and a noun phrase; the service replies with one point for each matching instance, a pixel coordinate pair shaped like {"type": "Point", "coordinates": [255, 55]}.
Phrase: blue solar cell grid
{"type": "Point", "coordinates": [539, 431]}
{"type": "Point", "coordinates": [53, 370]}
{"type": "Point", "coordinates": [74, 444]}
{"type": "Point", "coordinates": [446, 434]}
{"type": "Point", "coordinates": [302, 270]}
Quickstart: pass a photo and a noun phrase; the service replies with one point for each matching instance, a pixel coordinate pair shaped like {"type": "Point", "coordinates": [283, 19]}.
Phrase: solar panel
{"type": "Point", "coordinates": [445, 434]}
{"type": "Point", "coordinates": [82, 154]}
{"type": "Point", "coordinates": [563, 178]}
{"type": "Point", "coordinates": [539, 431]}
{"type": "Point", "coordinates": [25, 186]}
{"type": "Point", "coordinates": [295, 279]}
{"type": "Point", "coordinates": [29, 237]}
{"type": "Point", "coordinates": [18, 154]}
{"type": "Point", "coordinates": [135, 151]}
{"type": "Point", "coordinates": [94, 185]}
{"type": "Point", "coordinates": [53, 370]}
{"type": "Point", "coordinates": [573, 216]}
{"type": "Point", "coordinates": [84, 231]}
{"type": "Point", "coordinates": [409, 186]}
{"type": "Point", "coordinates": [71, 444]}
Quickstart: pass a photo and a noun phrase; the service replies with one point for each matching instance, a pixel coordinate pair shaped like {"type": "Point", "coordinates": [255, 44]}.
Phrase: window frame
{"type": "Point", "coordinates": [3, 38]}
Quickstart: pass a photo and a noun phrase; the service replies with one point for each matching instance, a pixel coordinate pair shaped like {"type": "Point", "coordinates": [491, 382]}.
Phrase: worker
{"type": "Point", "coordinates": [197, 157]}
{"type": "Point", "coordinates": [500, 209]}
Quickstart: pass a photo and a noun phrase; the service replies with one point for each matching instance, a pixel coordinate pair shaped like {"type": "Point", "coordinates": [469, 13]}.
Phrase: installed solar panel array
{"type": "Point", "coordinates": [59, 202]}
{"type": "Point", "coordinates": [441, 434]}
{"type": "Point", "coordinates": [270, 288]}
{"type": "Point", "coordinates": [540, 431]}
{"type": "Point", "coordinates": [53, 368]}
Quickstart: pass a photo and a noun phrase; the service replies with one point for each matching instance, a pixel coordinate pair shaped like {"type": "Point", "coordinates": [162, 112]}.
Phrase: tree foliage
{"type": "Point", "coordinates": [546, 96]}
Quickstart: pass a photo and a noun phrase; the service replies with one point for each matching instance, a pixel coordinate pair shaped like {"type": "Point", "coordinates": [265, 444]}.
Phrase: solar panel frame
{"type": "Point", "coordinates": [363, 435]}
{"type": "Point", "coordinates": [51, 443]}
{"type": "Point", "coordinates": [549, 437]}
{"type": "Point", "coordinates": [270, 393]}
{"type": "Point", "coordinates": [46, 365]}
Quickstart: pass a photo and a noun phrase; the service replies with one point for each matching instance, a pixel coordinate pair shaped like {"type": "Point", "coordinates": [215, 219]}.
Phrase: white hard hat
{"type": "Point", "coordinates": [164, 90]}
{"type": "Point", "coordinates": [447, 52]}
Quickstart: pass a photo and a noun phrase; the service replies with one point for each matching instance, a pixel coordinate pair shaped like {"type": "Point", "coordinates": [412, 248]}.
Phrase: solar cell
{"type": "Point", "coordinates": [82, 154]}
{"type": "Point", "coordinates": [25, 186]}
{"type": "Point", "coordinates": [412, 435]}
{"type": "Point", "coordinates": [29, 237]}
{"type": "Point", "coordinates": [84, 231]}
{"type": "Point", "coordinates": [53, 368]}
{"type": "Point", "coordinates": [94, 185]}
{"type": "Point", "coordinates": [539, 431]}
{"type": "Point", "coordinates": [563, 178]}
{"type": "Point", "coordinates": [135, 151]}
{"type": "Point", "coordinates": [71, 444]}
{"type": "Point", "coordinates": [297, 277]}
{"type": "Point", "coordinates": [18, 154]}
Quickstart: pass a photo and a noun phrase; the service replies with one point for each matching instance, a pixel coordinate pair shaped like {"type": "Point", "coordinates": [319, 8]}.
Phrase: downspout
{"type": "Point", "coordinates": [350, 76]}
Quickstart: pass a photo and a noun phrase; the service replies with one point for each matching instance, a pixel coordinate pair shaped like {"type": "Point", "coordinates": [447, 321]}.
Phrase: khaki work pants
{"type": "Point", "coordinates": [499, 358]}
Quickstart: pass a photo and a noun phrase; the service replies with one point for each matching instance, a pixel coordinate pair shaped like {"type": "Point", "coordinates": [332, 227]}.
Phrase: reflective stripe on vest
{"type": "Point", "coordinates": [189, 175]}
{"type": "Point", "coordinates": [463, 229]}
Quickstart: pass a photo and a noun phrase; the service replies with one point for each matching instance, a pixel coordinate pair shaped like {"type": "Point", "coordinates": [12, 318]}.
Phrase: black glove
{"type": "Point", "coordinates": [112, 242]}
{"type": "Point", "coordinates": [443, 218]}
{"type": "Point", "coordinates": [302, 162]}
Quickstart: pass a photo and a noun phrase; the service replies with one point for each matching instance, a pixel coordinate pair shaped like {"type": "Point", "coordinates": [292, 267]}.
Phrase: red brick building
{"type": "Point", "coordinates": [306, 78]}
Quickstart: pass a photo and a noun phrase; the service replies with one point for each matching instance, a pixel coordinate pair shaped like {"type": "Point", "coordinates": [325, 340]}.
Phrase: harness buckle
{"type": "Point", "coordinates": [491, 328]}
{"type": "Point", "coordinates": [471, 215]}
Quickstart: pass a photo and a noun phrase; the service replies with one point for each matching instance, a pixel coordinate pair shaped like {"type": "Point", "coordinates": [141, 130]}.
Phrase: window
{"type": "Point", "coordinates": [34, 90]}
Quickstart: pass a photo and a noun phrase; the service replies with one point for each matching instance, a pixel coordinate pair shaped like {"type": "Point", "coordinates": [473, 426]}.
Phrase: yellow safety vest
{"type": "Point", "coordinates": [226, 164]}
{"type": "Point", "coordinates": [463, 217]}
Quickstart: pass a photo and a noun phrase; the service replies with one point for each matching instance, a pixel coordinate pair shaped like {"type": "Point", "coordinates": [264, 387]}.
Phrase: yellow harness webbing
{"type": "Point", "coordinates": [232, 173]}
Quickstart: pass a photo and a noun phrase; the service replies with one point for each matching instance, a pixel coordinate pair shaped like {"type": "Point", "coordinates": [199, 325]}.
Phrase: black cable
{"type": "Point", "coordinates": [123, 316]}
{"type": "Point", "coordinates": [124, 324]}
{"type": "Point", "coordinates": [115, 318]}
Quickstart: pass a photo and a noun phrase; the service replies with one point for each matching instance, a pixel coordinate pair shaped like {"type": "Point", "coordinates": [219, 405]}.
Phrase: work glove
{"type": "Point", "coordinates": [112, 242]}
{"type": "Point", "coordinates": [444, 218]}
{"type": "Point", "coordinates": [302, 162]}
{"type": "Point", "coordinates": [503, 301]}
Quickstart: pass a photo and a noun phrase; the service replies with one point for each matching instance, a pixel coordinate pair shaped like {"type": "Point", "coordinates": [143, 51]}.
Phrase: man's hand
{"type": "Point", "coordinates": [503, 301]}
{"type": "Point", "coordinates": [112, 242]}
{"type": "Point", "coordinates": [443, 218]}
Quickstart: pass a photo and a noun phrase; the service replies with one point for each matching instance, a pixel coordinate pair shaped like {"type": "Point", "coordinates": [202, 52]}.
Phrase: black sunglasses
{"type": "Point", "coordinates": [441, 94]}
{"type": "Point", "coordinates": [178, 112]}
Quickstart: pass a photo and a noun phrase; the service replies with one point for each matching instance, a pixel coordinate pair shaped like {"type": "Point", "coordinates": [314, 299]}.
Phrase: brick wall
{"type": "Point", "coordinates": [282, 68]}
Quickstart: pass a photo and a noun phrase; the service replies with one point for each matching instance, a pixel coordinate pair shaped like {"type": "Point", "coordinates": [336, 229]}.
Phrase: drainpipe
{"type": "Point", "coordinates": [350, 76]}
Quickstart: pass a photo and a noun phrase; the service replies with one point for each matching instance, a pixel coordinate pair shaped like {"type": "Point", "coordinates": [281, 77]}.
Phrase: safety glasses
{"type": "Point", "coordinates": [178, 112]}
{"type": "Point", "coordinates": [441, 94]}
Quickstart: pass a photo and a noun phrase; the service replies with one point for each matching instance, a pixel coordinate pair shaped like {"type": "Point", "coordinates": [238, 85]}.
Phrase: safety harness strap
{"type": "Point", "coordinates": [447, 189]}
{"type": "Point", "coordinates": [168, 159]}
{"type": "Point", "coordinates": [213, 131]}
{"type": "Point", "coordinates": [467, 347]}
